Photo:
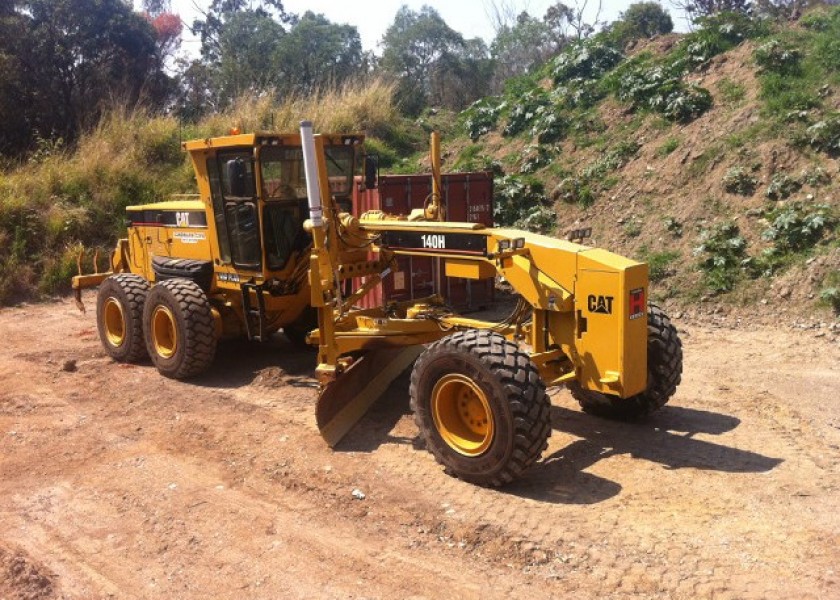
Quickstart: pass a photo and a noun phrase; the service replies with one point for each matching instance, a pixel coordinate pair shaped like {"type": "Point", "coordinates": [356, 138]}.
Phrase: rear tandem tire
{"type": "Point", "coordinates": [119, 316]}
{"type": "Point", "coordinates": [481, 407]}
{"type": "Point", "coordinates": [178, 323]}
{"type": "Point", "coordinates": [664, 373]}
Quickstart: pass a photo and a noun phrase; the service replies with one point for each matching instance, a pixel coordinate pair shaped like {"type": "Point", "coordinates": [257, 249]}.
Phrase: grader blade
{"type": "Point", "coordinates": [344, 401]}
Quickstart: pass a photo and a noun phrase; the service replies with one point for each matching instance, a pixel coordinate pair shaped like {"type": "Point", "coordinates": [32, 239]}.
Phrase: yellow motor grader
{"type": "Point", "coordinates": [270, 243]}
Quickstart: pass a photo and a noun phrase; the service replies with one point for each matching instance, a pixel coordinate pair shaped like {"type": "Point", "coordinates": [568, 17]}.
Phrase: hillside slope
{"type": "Point", "coordinates": [712, 155]}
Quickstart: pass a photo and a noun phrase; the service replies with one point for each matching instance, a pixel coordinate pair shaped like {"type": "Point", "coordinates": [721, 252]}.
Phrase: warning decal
{"type": "Point", "coordinates": [637, 303]}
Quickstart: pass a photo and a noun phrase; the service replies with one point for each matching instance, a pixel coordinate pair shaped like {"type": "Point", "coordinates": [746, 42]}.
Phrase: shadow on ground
{"type": "Point", "coordinates": [666, 438]}
{"type": "Point", "coordinates": [275, 362]}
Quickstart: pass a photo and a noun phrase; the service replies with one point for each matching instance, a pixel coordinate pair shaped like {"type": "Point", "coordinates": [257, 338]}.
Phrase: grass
{"type": "Point", "coordinates": [64, 199]}
{"type": "Point", "coordinates": [660, 264]}
{"type": "Point", "coordinates": [668, 147]}
{"type": "Point", "coordinates": [732, 92]}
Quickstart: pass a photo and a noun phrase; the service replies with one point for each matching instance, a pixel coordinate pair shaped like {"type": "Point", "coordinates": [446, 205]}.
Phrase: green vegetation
{"type": "Point", "coordinates": [732, 92]}
{"type": "Point", "coordinates": [668, 147]}
{"type": "Point", "coordinates": [797, 227]}
{"type": "Point", "coordinates": [723, 252]}
{"type": "Point", "coordinates": [521, 202]}
{"type": "Point", "coordinates": [782, 186]}
{"type": "Point", "coordinates": [739, 180]}
{"type": "Point", "coordinates": [660, 264]}
{"type": "Point", "coordinates": [830, 293]}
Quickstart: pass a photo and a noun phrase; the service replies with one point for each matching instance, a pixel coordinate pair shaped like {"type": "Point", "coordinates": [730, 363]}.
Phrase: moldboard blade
{"type": "Point", "coordinates": [344, 401]}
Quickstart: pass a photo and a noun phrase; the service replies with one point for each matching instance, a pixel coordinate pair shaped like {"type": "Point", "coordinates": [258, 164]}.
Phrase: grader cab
{"type": "Point", "coordinates": [270, 244]}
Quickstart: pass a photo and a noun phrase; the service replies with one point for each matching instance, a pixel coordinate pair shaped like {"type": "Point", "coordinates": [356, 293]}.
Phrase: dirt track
{"type": "Point", "coordinates": [119, 483]}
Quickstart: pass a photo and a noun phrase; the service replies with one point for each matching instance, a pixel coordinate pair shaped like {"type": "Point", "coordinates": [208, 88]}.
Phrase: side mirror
{"type": "Point", "coordinates": [235, 177]}
{"type": "Point", "coordinates": [371, 171]}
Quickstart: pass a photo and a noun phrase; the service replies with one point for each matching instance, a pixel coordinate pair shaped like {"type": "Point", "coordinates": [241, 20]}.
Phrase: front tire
{"type": "Point", "coordinates": [481, 407]}
{"type": "Point", "coordinates": [178, 323]}
{"type": "Point", "coordinates": [119, 316]}
{"type": "Point", "coordinates": [664, 374]}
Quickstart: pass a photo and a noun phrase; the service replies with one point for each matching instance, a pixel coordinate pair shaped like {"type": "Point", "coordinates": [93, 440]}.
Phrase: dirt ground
{"type": "Point", "coordinates": [118, 483]}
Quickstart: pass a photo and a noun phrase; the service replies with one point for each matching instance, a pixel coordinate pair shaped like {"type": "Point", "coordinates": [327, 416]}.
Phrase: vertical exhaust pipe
{"type": "Point", "coordinates": [310, 167]}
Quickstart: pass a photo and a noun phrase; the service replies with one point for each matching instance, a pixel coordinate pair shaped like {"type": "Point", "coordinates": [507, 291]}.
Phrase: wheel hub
{"type": "Point", "coordinates": [462, 415]}
{"type": "Point", "coordinates": [114, 321]}
{"type": "Point", "coordinates": [164, 332]}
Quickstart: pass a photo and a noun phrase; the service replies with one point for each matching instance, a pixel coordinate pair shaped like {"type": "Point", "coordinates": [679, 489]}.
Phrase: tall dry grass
{"type": "Point", "coordinates": [62, 200]}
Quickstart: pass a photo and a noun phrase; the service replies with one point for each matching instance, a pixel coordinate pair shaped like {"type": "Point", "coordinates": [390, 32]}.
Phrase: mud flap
{"type": "Point", "coordinates": [344, 401]}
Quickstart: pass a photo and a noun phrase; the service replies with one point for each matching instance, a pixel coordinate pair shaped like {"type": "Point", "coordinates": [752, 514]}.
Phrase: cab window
{"type": "Point", "coordinates": [240, 208]}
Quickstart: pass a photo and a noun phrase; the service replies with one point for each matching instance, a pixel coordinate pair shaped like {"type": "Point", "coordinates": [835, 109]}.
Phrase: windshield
{"type": "Point", "coordinates": [283, 177]}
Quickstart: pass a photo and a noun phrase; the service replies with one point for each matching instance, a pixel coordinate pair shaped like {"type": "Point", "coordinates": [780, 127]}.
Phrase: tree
{"type": "Point", "coordinates": [411, 46]}
{"type": "Point", "coordinates": [696, 9]}
{"type": "Point", "coordinates": [785, 9]}
{"type": "Point", "coordinates": [568, 22]}
{"type": "Point", "coordinates": [71, 59]}
{"type": "Point", "coordinates": [246, 51]}
{"type": "Point", "coordinates": [316, 52]}
{"type": "Point", "coordinates": [215, 20]}
{"type": "Point", "coordinates": [460, 78]}
{"type": "Point", "coordinates": [256, 47]}
{"type": "Point", "coordinates": [641, 20]}
{"type": "Point", "coordinates": [520, 48]}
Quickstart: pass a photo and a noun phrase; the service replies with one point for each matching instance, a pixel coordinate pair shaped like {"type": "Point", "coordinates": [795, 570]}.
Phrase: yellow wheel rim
{"type": "Point", "coordinates": [164, 332]}
{"type": "Point", "coordinates": [114, 321]}
{"type": "Point", "coordinates": [462, 415]}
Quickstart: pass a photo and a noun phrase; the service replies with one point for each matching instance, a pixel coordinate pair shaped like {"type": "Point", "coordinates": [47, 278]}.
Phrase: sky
{"type": "Point", "coordinates": [372, 17]}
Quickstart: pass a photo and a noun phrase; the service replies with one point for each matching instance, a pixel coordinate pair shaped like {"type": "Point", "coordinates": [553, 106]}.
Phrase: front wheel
{"type": "Point", "coordinates": [481, 407]}
{"type": "Point", "coordinates": [665, 358]}
{"type": "Point", "coordinates": [178, 323]}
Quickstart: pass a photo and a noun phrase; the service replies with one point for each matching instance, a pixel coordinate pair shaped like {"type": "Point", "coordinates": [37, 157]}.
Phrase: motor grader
{"type": "Point", "coordinates": [270, 244]}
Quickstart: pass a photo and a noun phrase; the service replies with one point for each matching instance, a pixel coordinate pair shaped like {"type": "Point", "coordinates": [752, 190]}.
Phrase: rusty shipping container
{"type": "Point", "coordinates": [467, 197]}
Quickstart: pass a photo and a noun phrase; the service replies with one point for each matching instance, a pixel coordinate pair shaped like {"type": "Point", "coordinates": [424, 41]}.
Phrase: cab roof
{"type": "Point", "coordinates": [267, 138]}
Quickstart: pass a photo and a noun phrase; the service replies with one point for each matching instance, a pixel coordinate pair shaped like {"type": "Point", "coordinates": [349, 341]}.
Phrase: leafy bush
{"type": "Point", "coordinates": [550, 125]}
{"type": "Point", "coordinates": [797, 227]}
{"type": "Point", "coordinates": [481, 117]}
{"type": "Point", "coordinates": [615, 158]}
{"type": "Point", "coordinates": [723, 254]}
{"type": "Point", "coordinates": [539, 219]}
{"type": "Point", "coordinates": [782, 186]}
{"type": "Point", "coordinates": [739, 181]}
{"type": "Point", "coordinates": [717, 34]}
{"type": "Point", "coordinates": [534, 158]}
{"type": "Point", "coordinates": [821, 20]}
{"type": "Point", "coordinates": [579, 94]}
{"type": "Point", "coordinates": [522, 114]}
{"type": "Point", "coordinates": [660, 88]}
{"type": "Point", "coordinates": [516, 198]}
{"type": "Point", "coordinates": [815, 177]}
{"type": "Point", "coordinates": [589, 59]}
{"type": "Point", "coordinates": [824, 135]}
{"type": "Point", "coordinates": [686, 104]}
{"type": "Point", "coordinates": [574, 190]}
{"type": "Point", "coordinates": [778, 57]}
{"type": "Point", "coordinates": [673, 227]}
